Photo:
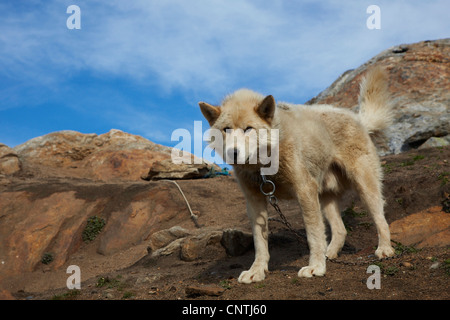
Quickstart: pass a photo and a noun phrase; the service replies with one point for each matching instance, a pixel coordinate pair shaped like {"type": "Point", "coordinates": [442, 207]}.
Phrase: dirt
{"type": "Point", "coordinates": [414, 181]}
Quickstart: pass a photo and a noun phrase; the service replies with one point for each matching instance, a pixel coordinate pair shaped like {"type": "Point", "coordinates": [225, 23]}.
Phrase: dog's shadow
{"type": "Point", "coordinates": [288, 252]}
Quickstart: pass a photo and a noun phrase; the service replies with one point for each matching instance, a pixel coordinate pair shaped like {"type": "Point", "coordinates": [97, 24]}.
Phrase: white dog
{"type": "Point", "coordinates": [322, 152]}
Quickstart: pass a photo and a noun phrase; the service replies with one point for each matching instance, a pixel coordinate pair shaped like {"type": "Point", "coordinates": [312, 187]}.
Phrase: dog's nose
{"type": "Point", "coordinates": [233, 154]}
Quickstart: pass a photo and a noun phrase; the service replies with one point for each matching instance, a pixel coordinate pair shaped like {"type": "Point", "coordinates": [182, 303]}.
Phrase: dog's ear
{"type": "Point", "coordinates": [211, 113]}
{"type": "Point", "coordinates": [266, 108]}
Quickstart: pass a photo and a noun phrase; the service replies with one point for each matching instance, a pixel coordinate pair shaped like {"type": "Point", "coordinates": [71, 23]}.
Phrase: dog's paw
{"type": "Point", "coordinates": [252, 275]}
{"type": "Point", "coordinates": [332, 253]}
{"type": "Point", "coordinates": [384, 252]}
{"type": "Point", "coordinates": [309, 271]}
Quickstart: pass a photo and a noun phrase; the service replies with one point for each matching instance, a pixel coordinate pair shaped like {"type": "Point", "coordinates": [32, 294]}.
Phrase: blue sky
{"type": "Point", "coordinates": [142, 66]}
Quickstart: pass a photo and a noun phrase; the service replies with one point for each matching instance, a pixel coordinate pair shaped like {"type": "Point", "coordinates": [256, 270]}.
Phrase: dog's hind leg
{"type": "Point", "coordinates": [308, 197]}
{"type": "Point", "coordinates": [368, 185]}
{"type": "Point", "coordinates": [257, 212]}
{"type": "Point", "coordinates": [330, 208]}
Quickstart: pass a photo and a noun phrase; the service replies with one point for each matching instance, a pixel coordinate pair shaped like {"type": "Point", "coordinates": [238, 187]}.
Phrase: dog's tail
{"type": "Point", "coordinates": [375, 109]}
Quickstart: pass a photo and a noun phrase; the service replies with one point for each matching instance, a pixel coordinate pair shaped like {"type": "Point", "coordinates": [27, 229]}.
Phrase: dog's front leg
{"type": "Point", "coordinates": [315, 230]}
{"type": "Point", "coordinates": [257, 212]}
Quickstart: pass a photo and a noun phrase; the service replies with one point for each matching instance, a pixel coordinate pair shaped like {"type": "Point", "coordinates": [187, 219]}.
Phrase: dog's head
{"type": "Point", "coordinates": [242, 126]}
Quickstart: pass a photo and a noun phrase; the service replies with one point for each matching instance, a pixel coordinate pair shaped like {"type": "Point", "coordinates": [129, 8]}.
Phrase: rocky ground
{"type": "Point", "coordinates": [199, 264]}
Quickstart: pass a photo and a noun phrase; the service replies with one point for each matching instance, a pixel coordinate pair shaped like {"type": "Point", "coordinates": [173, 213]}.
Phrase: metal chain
{"type": "Point", "coordinates": [273, 200]}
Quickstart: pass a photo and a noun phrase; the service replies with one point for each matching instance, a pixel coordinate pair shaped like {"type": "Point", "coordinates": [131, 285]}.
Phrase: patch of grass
{"type": "Point", "coordinates": [351, 212]}
{"type": "Point", "coordinates": [47, 258]}
{"type": "Point", "coordinates": [407, 163]}
{"type": "Point", "coordinates": [446, 204]}
{"type": "Point", "coordinates": [401, 248]}
{"type": "Point", "coordinates": [93, 227]}
{"type": "Point", "coordinates": [260, 285]}
{"type": "Point", "coordinates": [446, 266]}
{"type": "Point", "coordinates": [387, 167]}
{"type": "Point", "coordinates": [70, 295]}
{"type": "Point", "coordinates": [225, 284]}
{"type": "Point", "coordinates": [366, 225]}
{"type": "Point", "coordinates": [443, 177]}
{"type": "Point", "coordinates": [108, 282]}
{"type": "Point", "coordinates": [386, 270]}
{"type": "Point", "coordinates": [411, 161]}
{"type": "Point", "coordinates": [390, 271]}
{"type": "Point", "coordinates": [127, 295]}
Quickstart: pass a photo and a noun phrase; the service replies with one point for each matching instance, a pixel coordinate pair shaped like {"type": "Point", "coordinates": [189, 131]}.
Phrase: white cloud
{"type": "Point", "coordinates": [292, 49]}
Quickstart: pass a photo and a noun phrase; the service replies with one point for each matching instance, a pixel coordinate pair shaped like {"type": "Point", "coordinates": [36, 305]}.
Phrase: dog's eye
{"type": "Point", "coordinates": [248, 129]}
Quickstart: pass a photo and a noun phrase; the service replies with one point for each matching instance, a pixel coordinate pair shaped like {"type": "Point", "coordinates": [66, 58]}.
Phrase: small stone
{"type": "Point", "coordinates": [109, 295]}
{"type": "Point", "coordinates": [435, 265]}
{"type": "Point", "coordinates": [143, 281]}
{"type": "Point", "coordinates": [435, 142]}
{"type": "Point", "coordinates": [162, 238]}
{"type": "Point", "coordinates": [193, 247]}
{"type": "Point", "coordinates": [172, 247]}
{"type": "Point", "coordinates": [407, 264]}
{"type": "Point", "coordinates": [206, 290]}
{"type": "Point", "coordinates": [400, 49]}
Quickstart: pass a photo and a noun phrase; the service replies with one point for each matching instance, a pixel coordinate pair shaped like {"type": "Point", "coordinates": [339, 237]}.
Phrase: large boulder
{"type": "Point", "coordinates": [111, 156]}
{"type": "Point", "coordinates": [419, 84]}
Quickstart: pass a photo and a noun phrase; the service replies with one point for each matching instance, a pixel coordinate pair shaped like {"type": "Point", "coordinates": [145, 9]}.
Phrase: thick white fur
{"type": "Point", "coordinates": [323, 151]}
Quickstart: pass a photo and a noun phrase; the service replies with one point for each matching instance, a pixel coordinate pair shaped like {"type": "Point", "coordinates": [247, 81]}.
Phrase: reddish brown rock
{"type": "Point", "coordinates": [419, 84]}
{"type": "Point", "coordinates": [144, 215]}
{"type": "Point", "coordinates": [166, 169]}
{"type": "Point", "coordinates": [428, 228]}
{"type": "Point", "coordinates": [31, 227]}
{"type": "Point", "coordinates": [6, 295]}
{"type": "Point", "coordinates": [112, 156]}
{"type": "Point", "coordinates": [49, 219]}
{"type": "Point", "coordinates": [9, 161]}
